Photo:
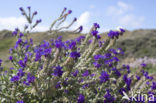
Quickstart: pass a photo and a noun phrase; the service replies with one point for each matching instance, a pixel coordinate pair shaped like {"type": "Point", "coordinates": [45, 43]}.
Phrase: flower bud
{"type": "Point", "coordinates": [29, 7]}
{"type": "Point", "coordinates": [65, 8]}
{"type": "Point", "coordinates": [21, 9]}
{"type": "Point", "coordinates": [35, 13]}
{"type": "Point", "coordinates": [70, 11]}
{"type": "Point", "coordinates": [75, 19]}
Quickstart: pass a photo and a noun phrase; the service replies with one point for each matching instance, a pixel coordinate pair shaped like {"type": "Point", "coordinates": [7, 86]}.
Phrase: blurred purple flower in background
{"type": "Point", "coordinates": [81, 99]}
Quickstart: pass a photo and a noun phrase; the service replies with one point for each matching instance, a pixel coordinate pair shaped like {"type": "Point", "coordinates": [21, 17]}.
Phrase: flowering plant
{"type": "Point", "coordinates": [83, 70]}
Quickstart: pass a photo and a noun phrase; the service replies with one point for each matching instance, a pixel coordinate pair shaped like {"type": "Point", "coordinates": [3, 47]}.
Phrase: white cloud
{"type": "Point", "coordinates": [122, 13]}
{"type": "Point", "coordinates": [131, 20]}
{"type": "Point", "coordinates": [83, 19]}
{"type": "Point", "coordinates": [41, 28]}
{"type": "Point", "coordinates": [119, 9]}
{"type": "Point", "coordinates": [124, 6]}
{"type": "Point", "coordinates": [11, 23]}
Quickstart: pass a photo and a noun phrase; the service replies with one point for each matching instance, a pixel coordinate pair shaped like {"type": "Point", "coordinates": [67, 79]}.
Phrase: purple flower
{"type": "Point", "coordinates": [72, 44]}
{"type": "Point", "coordinates": [127, 67]}
{"type": "Point", "coordinates": [11, 58]}
{"type": "Point", "coordinates": [143, 65]}
{"type": "Point", "coordinates": [104, 77]}
{"type": "Point", "coordinates": [58, 85]}
{"type": "Point", "coordinates": [116, 59]}
{"type": "Point", "coordinates": [14, 33]}
{"type": "Point", "coordinates": [29, 7]}
{"type": "Point", "coordinates": [25, 59]}
{"type": "Point", "coordinates": [98, 37]}
{"type": "Point", "coordinates": [31, 41]}
{"type": "Point", "coordinates": [38, 21]}
{"type": "Point", "coordinates": [70, 11]}
{"type": "Point", "coordinates": [21, 35]}
{"type": "Point", "coordinates": [75, 19]}
{"type": "Point", "coordinates": [148, 83]}
{"type": "Point", "coordinates": [107, 55]}
{"type": "Point", "coordinates": [127, 81]}
{"type": "Point", "coordinates": [113, 34]}
{"type": "Point", "coordinates": [94, 32]}
{"type": "Point", "coordinates": [15, 78]}
{"type": "Point", "coordinates": [120, 51]}
{"type": "Point", "coordinates": [113, 51]}
{"type": "Point", "coordinates": [38, 57]}
{"type": "Point", "coordinates": [18, 42]}
{"type": "Point", "coordinates": [153, 87]}
{"type": "Point", "coordinates": [80, 38]}
{"type": "Point", "coordinates": [58, 71]}
{"type": "Point", "coordinates": [97, 65]}
{"type": "Point", "coordinates": [0, 62]}
{"type": "Point", "coordinates": [81, 99]}
{"type": "Point", "coordinates": [65, 9]}
{"type": "Point", "coordinates": [108, 97]}
{"type": "Point", "coordinates": [35, 13]}
{"type": "Point", "coordinates": [27, 47]}
{"type": "Point", "coordinates": [125, 77]}
{"type": "Point", "coordinates": [97, 57]}
{"type": "Point", "coordinates": [44, 49]}
{"type": "Point", "coordinates": [16, 29]}
{"type": "Point", "coordinates": [74, 54]}
{"type": "Point", "coordinates": [20, 73]}
{"type": "Point", "coordinates": [20, 101]}
{"type": "Point", "coordinates": [75, 73]}
{"type": "Point", "coordinates": [151, 78]}
{"type": "Point", "coordinates": [122, 30]}
{"type": "Point", "coordinates": [138, 77]}
{"type": "Point", "coordinates": [59, 44]}
{"type": "Point", "coordinates": [100, 43]}
{"type": "Point", "coordinates": [116, 72]}
{"type": "Point", "coordinates": [81, 28]}
{"type": "Point", "coordinates": [142, 71]}
{"type": "Point", "coordinates": [21, 9]}
{"type": "Point", "coordinates": [22, 64]}
{"type": "Point", "coordinates": [65, 82]}
{"type": "Point", "coordinates": [121, 91]}
{"type": "Point", "coordinates": [96, 25]}
{"type": "Point", "coordinates": [30, 79]}
{"type": "Point", "coordinates": [92, 75]}
{"type": "Point", "coordinates": [85, 86]}
{"type": "Point", "coordinates": [146, 75]}
{"type": "Point", "coordinates": [85, 73]}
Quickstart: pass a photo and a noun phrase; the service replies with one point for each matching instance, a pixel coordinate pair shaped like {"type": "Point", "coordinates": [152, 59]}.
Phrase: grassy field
{"type": "Point", "coordinates": [138, 43]}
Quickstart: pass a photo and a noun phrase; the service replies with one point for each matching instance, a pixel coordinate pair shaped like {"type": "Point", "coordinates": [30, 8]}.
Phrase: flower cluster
{"type": "Point", "coordinates": [58, 71]}
{"type": "Point", "coordinates": [18, 76]}
{"type": "Point", "coordinates": [83, 70]}
{"type": "Point", "coordinates": [108, 59]}
{"type": "Point", "coordinates": [30, 79]}
{"type": "Point", "coordinates": [115, 34]}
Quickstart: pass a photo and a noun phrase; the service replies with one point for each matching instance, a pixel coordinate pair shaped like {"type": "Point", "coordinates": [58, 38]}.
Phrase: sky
{"type": "Point", "coordinates": [110, 14]}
